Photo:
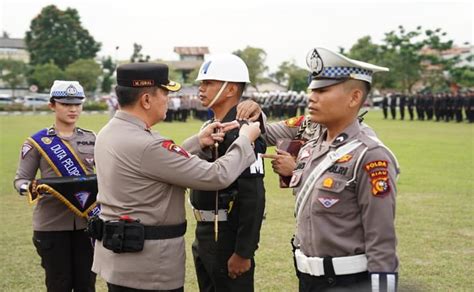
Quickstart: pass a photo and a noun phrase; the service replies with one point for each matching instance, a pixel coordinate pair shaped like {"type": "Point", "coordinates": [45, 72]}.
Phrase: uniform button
{"type": "Point", "coordinates": [330, 280]}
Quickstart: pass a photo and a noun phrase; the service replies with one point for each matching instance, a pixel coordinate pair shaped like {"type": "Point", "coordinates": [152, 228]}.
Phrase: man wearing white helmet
{"type": "Point", "coordinates": [62, 150]}
{"type": "Point", "coordinates": [226, 243]}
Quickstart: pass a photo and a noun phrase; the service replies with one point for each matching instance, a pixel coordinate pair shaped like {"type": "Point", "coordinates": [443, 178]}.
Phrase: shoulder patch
{"type": "Point", "coordinates": [294, 122]}
{"type": "Point", "coordinates": [25, 149]}
{"type": "Point", "coordinates": [170, 146]}
{"type": "Point", "coordinates": [380, 185]}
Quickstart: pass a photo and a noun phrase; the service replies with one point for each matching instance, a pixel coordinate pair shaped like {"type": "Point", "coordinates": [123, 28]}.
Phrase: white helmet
{"type": "Point", "coordinates": [224, 67]}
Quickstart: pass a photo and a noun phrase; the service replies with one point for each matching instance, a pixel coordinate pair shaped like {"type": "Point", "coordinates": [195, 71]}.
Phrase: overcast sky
{"type": "Point", "coordinates": [285, 29]}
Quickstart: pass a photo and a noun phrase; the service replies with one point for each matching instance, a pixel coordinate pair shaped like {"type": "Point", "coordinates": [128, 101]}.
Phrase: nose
{"type": "Point", "coordinates": [313, 97]}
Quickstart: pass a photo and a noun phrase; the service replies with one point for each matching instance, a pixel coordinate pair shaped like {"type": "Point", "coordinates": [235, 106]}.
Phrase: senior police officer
{"type": "Point", "coordinates": [142, 179]}
{"type": "Point", "coordinates": [62, 150]}
{"type": "Point", "coordinates": [345, 186]}
{"type": "Point", "coordinates": [225, 244]}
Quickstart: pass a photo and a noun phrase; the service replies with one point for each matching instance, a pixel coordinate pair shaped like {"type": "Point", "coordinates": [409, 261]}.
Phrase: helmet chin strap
{"type": "Point", "coordinates": [213, 101]}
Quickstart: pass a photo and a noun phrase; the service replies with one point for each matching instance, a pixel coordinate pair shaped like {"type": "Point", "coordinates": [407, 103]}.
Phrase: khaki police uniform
{"type": "Point", "coordinates": [144, 176]}
{"type": "Point", "coordinates": [82, 141]}
{"type": "Point", "coordinates": [345, 197]}
{"type": "Point", "coordinates": [58, 234]}
{"type": "Point", "coordinates": [347, 213]}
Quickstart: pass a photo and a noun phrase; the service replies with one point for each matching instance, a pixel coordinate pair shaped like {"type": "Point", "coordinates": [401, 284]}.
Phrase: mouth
{"type": "Point", "coordinates": [72, 116]}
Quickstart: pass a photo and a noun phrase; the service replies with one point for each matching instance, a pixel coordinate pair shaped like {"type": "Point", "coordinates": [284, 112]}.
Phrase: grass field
{"type": "Point", "coordinates": [434, 212]}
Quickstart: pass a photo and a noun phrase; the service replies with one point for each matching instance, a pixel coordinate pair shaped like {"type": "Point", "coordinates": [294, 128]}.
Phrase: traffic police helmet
{"type": "Point", "coordinates": [224, 67]}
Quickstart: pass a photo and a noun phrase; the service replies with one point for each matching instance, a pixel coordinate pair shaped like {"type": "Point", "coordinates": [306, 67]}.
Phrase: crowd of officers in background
{"type": "Point", "coordinates": [431, 106]}
{"type": "Point", "coordinates": [278, 105]}
{"type": "Point", "coordinates": [281, 105]}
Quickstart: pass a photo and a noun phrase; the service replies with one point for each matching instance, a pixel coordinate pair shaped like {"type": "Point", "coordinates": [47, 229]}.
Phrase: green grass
{"type": "Point", "coordinates": [434, 212]}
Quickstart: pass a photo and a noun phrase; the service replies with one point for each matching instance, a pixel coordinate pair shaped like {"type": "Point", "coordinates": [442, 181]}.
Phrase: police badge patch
{"type": "Point", "coordinates": [328, 202]}
{"type": "Point", "coordinates": [175, 148]}
{"type": "Point", "coordinates": [82, 197]}
{"type": "Point", "coordinates": [25, 149]}
{"type": "Point", "coordinates": [294, 122]}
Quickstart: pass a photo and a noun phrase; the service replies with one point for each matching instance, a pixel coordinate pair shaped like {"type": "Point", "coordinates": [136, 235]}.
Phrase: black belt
{"type": "Point", "coordinates": [165, 231]}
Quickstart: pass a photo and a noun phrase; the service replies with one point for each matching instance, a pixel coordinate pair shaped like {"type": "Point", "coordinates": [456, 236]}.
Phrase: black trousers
{"type": "Point", "coordinates": [210, 261]}
{"type": "Point", "coordinates": [346, 283]}
{"type": "Point", "coordinates": [393, 111]}
{"type": "Point", "coordinates": [66, 257]}
{"type": "Point", "coordinates": [117, 288]}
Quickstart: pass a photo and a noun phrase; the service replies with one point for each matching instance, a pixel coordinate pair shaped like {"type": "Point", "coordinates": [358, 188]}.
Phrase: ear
{"type": "Point", "coordinates": [356, 97]}
{"type": "Point", "coordinates": [52, 106]}
{"type": "Point", "coordinates": [145, 101]}
{"type": "Point", "coordinates": [232, 89]}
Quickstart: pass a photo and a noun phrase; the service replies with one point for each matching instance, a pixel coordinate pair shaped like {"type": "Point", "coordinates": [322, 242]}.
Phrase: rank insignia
{"type": "Point", "coordinates": [328, 202]}
{"type": "Point", "coordinates": [344, 158]}
{"type": "Point", "coordinates": [328, 183]}
{"type": "Point", "coordinates": [380, 186]}
{"type": "Point", "coordinates": [294, 122]}
{"type": "Point", "coordinates": [25, 149]}
{"type": "Point", "coordinates": [175, 148]}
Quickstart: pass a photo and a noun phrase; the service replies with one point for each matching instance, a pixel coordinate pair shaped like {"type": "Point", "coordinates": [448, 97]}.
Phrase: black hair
{"type": "Point", "coordinates": [127, 96]}
{"type": "Point", "coordinates": [241, 88]}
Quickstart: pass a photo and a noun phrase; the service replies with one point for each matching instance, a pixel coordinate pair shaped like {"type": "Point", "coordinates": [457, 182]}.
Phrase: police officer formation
{"type": "Point", "coordinates": [344, 180]}
{"type": "Point", "coordinates": [448, 107]}
{"type": "Point", "coordinates": [282, 104]}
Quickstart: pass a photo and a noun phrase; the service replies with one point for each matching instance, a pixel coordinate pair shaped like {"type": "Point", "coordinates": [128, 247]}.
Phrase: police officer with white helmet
{"type": "Point", "coordinates": [229, 220]}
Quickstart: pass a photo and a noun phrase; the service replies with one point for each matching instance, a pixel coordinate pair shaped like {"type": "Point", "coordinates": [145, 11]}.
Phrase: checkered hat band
{"type": "Point", "coordinates": [341, 72]}
{"type": "Point", "coordinates": [64, 93]}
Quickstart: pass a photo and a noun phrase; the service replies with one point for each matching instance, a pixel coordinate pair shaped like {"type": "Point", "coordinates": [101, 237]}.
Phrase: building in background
{"type": "Point", "coordinates": [13, 48]}
{"type": "Point", "coordinates": [190, 58]}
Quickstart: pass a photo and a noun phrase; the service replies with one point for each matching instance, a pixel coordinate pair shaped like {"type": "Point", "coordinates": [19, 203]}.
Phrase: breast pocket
{"type": "Point", "coordinates": [330, 196]}
{"type": "Point", "coordinates": [85, 149]}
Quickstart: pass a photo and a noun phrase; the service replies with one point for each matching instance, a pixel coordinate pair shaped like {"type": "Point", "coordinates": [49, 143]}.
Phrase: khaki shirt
{"type": "Point", "coordinates": [351, 209]}
{"type": "Point", "coordinates": [143, 175]}
{"type": "Point", "coordinates": [49, 213]}
{"type": "Point", "coordinates": [294, 128]}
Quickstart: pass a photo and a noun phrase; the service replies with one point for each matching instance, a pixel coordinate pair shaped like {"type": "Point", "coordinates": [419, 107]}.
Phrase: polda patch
{"type": "Point", "coordinates": [175, 148]}
{"type": "Point", "coordinates": [376, 164]}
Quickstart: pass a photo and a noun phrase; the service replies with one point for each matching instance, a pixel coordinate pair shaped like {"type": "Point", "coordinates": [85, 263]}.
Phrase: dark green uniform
{"type": "Point", "coordinates": [243, 202]}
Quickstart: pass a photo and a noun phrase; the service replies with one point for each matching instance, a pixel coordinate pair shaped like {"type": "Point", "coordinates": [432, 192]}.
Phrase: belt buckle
{"type": "Point", "coordinates": [197, 215]}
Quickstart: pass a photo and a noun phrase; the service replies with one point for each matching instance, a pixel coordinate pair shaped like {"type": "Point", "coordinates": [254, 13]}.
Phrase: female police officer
{"type": "Point", "coordinates": [59, 237]}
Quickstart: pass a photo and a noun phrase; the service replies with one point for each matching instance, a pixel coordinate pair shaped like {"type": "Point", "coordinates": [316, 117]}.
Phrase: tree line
{"type": "Point", "coordinates": [61, 48]}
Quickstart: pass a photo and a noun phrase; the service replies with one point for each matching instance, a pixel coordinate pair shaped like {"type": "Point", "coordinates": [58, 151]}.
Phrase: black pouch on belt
{"type": "Point", "coordinates": [95, 227]}
{"type": "Point", "coordinates": [124, 236]}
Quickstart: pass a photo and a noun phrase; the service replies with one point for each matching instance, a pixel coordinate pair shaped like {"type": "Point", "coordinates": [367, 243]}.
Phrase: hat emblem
{"type": "Point", "coordinates": [71, 90]}
{"type": "Point", "coordinates": [315, 62]}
